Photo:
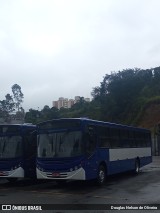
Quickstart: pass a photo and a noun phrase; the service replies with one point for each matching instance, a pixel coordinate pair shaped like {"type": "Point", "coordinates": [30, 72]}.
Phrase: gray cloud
{"type": "Point", "coordinates": [64, 48]}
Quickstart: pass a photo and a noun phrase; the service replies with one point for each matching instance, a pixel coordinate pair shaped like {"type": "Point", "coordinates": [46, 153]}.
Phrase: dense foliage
{"type": "Point", "coordinates": [11, 106]}
{"type": "Point", "coordinates": [121, 97]}
{"type": "Point", "coordinates": [124, 95]}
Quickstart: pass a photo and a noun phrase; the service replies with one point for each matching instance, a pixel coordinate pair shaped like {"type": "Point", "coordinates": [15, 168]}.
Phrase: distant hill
{"type": "Point", "coordinates": [150, 116]}
{"type": "Point", "coordinates": [130, 97]}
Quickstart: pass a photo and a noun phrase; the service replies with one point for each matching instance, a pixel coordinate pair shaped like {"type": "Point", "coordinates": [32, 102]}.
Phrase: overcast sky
{"type": "Point", "coordinates": [64, 48]}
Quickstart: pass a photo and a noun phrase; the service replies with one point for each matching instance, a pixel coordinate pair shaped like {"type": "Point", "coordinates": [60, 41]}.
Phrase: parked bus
{"type": "Point", "coordinates": [17, 151]}
{"type": "Point", "coordinates": [84, 149]}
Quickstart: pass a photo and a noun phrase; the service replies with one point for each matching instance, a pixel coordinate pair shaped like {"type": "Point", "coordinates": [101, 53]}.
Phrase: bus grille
{"type": "Point", "coordinates": [56, 175]}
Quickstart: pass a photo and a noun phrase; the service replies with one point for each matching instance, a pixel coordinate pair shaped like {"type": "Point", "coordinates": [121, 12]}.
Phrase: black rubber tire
{"type": "Point", "coordinates": [101, 176]}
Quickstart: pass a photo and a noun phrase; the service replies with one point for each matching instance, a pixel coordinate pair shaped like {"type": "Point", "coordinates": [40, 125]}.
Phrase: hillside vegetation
{"type": "Point", "coordinates": [130, 96]}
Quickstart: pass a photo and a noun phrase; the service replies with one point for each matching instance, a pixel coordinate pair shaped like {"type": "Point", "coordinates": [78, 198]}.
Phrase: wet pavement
{"type": "Point", "coordinates": [120, 190]}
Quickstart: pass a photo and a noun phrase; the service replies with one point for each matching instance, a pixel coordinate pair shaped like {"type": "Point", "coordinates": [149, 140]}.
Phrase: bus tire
{"type": "Point", "coordinates": [137, 167]}
{"type": "Point", "coordinates": [101, 176]}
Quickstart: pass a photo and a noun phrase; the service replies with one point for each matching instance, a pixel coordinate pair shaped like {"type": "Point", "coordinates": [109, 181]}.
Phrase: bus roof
{"type": "Point", "coordinates": [97, 122]}
{"type": "Point", "coordinates": [21, 125]}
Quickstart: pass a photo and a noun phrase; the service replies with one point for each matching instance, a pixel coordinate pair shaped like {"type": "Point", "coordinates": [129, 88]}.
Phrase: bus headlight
{"type": "Point", "coordinates": [71, 169]}
{"type": "Point", "coordinates": [76, 167]}
{"type": "Point", "coordinates": [16, 166]}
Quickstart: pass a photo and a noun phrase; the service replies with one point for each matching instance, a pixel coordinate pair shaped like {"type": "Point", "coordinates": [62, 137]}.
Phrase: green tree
{"type": "Point", "coordinates": [32, 116]}
{"type": "Point", "coordinates": [120, 92]}
{"type": "Point", "coordinates": [18, 95]}
{"type": "Point", "coordinates": [121, 97]}
{"type": "Point", "coordinates": [36, 116]}
{"type": "Point", "coordinates": [7, 106]}
{"type": "Point", "coordinates": [47, 113]}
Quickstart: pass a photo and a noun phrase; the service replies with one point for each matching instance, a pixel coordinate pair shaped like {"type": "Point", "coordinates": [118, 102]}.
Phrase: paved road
{"type": "Point", "coordinates": [124, 189]}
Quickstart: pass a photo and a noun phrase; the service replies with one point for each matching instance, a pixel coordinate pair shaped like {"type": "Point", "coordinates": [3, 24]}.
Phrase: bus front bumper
{"type": "Point", "coordinates": [78, 174]}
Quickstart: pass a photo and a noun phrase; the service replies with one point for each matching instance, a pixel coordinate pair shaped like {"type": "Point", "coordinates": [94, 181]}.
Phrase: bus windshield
{"type": "Point", "coordinates": [10, 146]}
{"type": "Point", "coordinates": [60, 144]}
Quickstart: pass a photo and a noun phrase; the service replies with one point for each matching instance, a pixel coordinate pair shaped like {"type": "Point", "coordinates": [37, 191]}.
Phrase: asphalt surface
{"type": "Point", "coordinates": [120, 191]}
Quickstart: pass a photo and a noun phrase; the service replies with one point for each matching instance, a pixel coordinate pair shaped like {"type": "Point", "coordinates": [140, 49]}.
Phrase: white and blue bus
{"type": "Point", "coordinates": [18, 151]}
{"type": "Point", "coordinates": [85, 149]}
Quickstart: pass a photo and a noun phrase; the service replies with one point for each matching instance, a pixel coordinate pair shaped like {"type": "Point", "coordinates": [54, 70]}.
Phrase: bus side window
{"type": "Point", "coordinates": [104, 142]}
{"type": "Point", "coordinates": [148, 139]}
{"type": "Point", "coordinates": [104, 137]}
{"type": "Point", "coordinates": [115, 138]}
{"type": "Point", "coordinates": [124, 138]}
{"type": "Point", "coordinates": [138, 139]}
{"type": "Point", "coordinates": [131, 139]}
{"type": "Point", "coordinates": [91, 139]}
{"type": "Point", "coordinates": [144, 141]}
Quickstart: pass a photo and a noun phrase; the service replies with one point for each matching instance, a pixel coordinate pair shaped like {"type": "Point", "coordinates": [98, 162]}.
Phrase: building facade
{"type": "Point", "coordinates": [67, 103]}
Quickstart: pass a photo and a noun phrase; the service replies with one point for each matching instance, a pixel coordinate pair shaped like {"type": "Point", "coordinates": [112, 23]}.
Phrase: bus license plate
{"type": "Point", "coordinates": [55, 174]}
{"type": "Point", "coordinates": [2, 173]}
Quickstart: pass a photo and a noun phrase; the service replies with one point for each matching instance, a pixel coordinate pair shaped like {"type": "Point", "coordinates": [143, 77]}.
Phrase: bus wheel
{"type": "Point", "coordinates": [101, 178]}
{"type": "Point", "coordinates": [137, 167]}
